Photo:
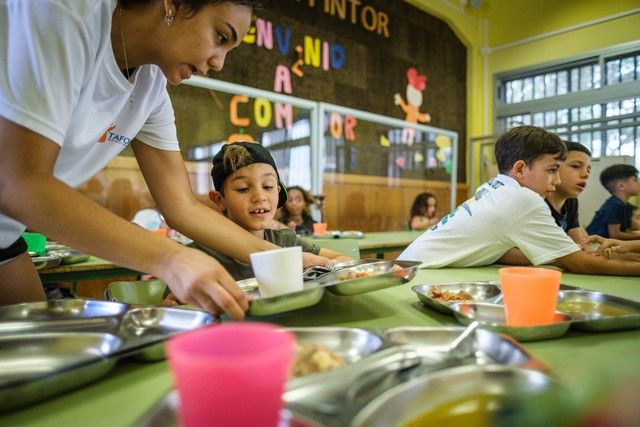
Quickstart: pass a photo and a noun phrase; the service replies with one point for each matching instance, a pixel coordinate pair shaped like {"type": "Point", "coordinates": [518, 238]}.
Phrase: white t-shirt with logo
{"type": "Point", "coordinates": [501, 215]}
{"type": "Point", "coordinates": [59, 78]}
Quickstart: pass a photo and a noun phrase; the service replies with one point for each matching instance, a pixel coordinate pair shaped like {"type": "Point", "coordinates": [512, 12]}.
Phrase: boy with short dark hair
{"type": "Point", "coordinates": [249, 191]}
{"type": "Point", "coordinates": [509, 211]}
{"type": "Point", "coordinates": [613, 219]}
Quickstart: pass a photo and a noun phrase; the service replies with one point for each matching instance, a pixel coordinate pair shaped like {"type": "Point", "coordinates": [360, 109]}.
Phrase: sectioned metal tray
{"type": "Point", "coordinates": [595, 311]}
{"type": "Point", "coordinates": [165, 414]}
{"type": "Point", "coordinates": [369, 277]}
{"type": "Point", "coordinates": [408, 404]}
{"type": "Point", "coordinates": [480, 291]}
{"type": "Point", "coordinates": [351, 343]}
{"type": "Point", "coordinates": [39, 365]}
{"type": "Point", "coordinates": [492, 317]}
{"type": "Point", "coordinates": [310, 295]}
{"type": "Point", "coordinates": [483, 347]}
{"type": "Point", "coordinates": [59, 328]}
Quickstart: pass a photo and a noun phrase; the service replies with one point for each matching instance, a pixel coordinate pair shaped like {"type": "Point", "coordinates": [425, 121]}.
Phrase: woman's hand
{"type": "Point", "coordinates": [198, 279]}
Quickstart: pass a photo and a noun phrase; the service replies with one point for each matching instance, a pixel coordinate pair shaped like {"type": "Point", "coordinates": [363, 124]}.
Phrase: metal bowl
{"type": "Point", "coordinates": [406, 404]}
{"type": "Point", "coordinates": [492, 317]}
{"type": "Point", "coordinates": [480, 291]}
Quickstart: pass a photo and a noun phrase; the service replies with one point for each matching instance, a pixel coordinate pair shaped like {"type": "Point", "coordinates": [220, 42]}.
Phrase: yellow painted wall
{"type": "Point", "coordinates": [489, 30]}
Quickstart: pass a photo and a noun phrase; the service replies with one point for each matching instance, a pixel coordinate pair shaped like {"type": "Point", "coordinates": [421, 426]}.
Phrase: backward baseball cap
{"type": "Point", "coordinates": [258, 154]}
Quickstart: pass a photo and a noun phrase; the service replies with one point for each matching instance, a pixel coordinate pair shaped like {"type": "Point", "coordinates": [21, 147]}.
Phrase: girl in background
{"type": "Point", "coordinates": [296, 213]}
{"type": "Point", "coordinates": [423, 212]}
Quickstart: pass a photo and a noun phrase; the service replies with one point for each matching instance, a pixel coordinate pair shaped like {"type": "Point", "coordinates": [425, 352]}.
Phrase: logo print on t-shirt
{"type": "Point", "coordinates": [109, 136]}
{"type": "Point", "coordinates": [103, 137]}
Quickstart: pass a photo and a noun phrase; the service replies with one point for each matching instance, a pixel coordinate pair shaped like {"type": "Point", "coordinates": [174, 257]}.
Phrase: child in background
{"type": "Point", "coordinates": [613, 219]}
{"type": "Point", "coordinates": [296, 212]}
{"type": "Point", "coordinates": [248, 190]}
{"type": "Point", "coordinates": [509, 211]}
{"type": "Point", "coordinates": [423, 212]}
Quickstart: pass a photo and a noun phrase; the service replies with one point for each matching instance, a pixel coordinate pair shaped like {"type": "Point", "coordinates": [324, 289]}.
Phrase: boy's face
{"type": "Point", "coordinates": [574, 173]}
{"type": "Point", "coordinates": [541, 175]}
{"type": "Point", "coordinates": [631, 186]}
{"type": "Point", "coordinates": [251, 196]}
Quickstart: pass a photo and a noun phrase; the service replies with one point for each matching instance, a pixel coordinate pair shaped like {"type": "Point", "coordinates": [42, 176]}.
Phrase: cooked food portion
{"type": "Point", "coordinates": [348, 275]}
{"type": "Point", "coordinates": [593, 308]}
{"type": "Point", "coordinates": [314, 358]}
{"type": "Point", "coordinates": [437, 293]}
{"type": "Point", "coordinates": [354, 275]}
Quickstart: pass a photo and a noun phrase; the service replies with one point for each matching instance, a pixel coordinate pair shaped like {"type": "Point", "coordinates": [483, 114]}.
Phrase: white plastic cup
{"type": "Point", "coordinates": [278, 271]}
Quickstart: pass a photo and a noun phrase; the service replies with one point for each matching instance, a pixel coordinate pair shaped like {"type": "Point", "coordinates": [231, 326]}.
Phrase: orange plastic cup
{"type": "Point", "coordinates": [530, 295]}
{"type": "Point", "coordinates": [319, 228]}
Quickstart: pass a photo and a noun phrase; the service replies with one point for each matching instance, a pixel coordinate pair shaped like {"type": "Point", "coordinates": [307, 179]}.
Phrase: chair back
{"type": "Point", "coordinates": [348, 247]}
{"type": "Point", "coordinates": [147, 292]}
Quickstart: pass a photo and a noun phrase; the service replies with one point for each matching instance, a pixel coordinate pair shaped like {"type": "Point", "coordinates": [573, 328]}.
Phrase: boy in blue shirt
{"type": "Point", "coordinates": [613, 219]}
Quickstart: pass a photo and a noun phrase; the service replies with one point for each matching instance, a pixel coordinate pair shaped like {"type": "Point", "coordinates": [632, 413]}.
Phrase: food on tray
{"type": "Point", "coordinates": [593, 308]}
{"type": "Point", "coordinates": [314, 358]}
{"type": "Point", "coordinates": [477, 410]}
{"type": "Point", "coordinates": [348, 275]}
{"type": "Point", "coordinates": [437, 293]}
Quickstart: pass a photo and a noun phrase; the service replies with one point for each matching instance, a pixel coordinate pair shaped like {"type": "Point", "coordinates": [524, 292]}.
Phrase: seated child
{"type": "Point", "coordinates": [423, 212]}
{"type": "Point", "coordinates": [296, 212]}
{"type": "Point", "coordinates": [613, 219]}
{"type": "Point", "coordinates": [509, 211]}
{"type": "Point", "coordinates": [248, 190]}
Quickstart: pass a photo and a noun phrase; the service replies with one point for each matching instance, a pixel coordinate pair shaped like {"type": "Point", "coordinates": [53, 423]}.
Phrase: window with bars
{"type": "Point", "coordinates": [594, 101]}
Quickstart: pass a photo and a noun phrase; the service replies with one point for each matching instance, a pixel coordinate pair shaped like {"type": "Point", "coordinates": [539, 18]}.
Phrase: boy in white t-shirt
{"type": "Point", "coordinates": [509, 211]}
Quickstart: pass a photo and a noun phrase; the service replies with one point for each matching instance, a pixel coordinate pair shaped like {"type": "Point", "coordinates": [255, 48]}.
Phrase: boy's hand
{"type": "Point", "coordinates": [603, 247]}
{"type": "Point", "coordinates": [198, 279]}
{"type": "Point", "coordinates": [309, 259]}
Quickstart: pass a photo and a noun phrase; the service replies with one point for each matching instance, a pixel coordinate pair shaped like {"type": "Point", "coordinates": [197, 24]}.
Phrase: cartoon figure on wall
{"type": "Point", "coordinates": [417, 84]}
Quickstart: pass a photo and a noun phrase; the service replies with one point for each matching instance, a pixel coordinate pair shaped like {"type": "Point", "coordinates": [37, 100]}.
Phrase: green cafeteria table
{"type": "Point", "coordinates": [585, 363]}
{"type": "Point", "coordinates": [378, 243]}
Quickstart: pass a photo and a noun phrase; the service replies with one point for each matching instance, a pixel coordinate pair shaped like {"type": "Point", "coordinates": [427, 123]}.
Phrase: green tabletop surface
{"type": "Point", "coordinates": [586, 363]}
{"type": "Point", "coordinates": [377, 243]}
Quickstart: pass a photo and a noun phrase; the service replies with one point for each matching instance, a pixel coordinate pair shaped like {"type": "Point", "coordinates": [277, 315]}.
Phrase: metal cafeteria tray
{"type": "Point", "coordinates": [165, 414]}
{"type": "Point", "coordinates": [69, 256]}
{"type": "Point", "coordinates": [483, 347]}
{"type": "Point", "coordinates": [377, 275]}
{"type": "Point", "coordinates": [416, 402]}
{"type": "Point", "coordinates": [140, 329]}
{"type": "Point", "coordinates": [492, 317]}
{"type": "Point", "coordinates": [595, 311]}
{"type": "Point", "coordinates": [310, 295]}
{"type": "Point", "coordinates": [480, 291]}
{"type": "Point", "coordinates": [39, 365]}
{"type": "Point", "coordinates": [352, 344]}
{"type": "Point", "coordinates": [46, 261]}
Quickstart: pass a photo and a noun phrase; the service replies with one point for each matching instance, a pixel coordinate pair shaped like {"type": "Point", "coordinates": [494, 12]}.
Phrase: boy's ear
{"type": "Point", "coordinates": [518, 169]}
{"type": "Point", "coordinates": [217, 199]}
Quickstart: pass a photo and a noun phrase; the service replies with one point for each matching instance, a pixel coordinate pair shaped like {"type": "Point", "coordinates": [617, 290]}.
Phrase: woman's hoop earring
{"type": "Point", "coordinates": [168, 19]}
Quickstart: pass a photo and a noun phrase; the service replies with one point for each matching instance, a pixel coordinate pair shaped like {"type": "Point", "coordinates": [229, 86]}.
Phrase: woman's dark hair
{"type": "Point", "coordinates": [193, 5]}
{"type": "Point", "coordinates": [527, 143]}
{"type": "Point", "coordinates": [420, 203]}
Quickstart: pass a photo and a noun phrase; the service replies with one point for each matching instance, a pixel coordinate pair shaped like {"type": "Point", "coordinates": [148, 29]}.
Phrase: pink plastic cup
{"type": "Point", "coordinates": [231, 374]}
{"type": "Point", "coordinates": [530, 295]}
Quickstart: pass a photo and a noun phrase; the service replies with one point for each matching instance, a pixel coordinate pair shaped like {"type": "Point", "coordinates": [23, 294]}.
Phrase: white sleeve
{"type": "Point", "coordinates": [537, 235]}
{"type": "Point", "coordinates": [46, 50]}
{"type": "Point", "coordinates": [159, 131]}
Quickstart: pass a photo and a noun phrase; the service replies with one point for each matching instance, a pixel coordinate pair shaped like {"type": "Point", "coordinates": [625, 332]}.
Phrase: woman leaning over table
{"type": "Point", "coordinates": [80, 80]}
